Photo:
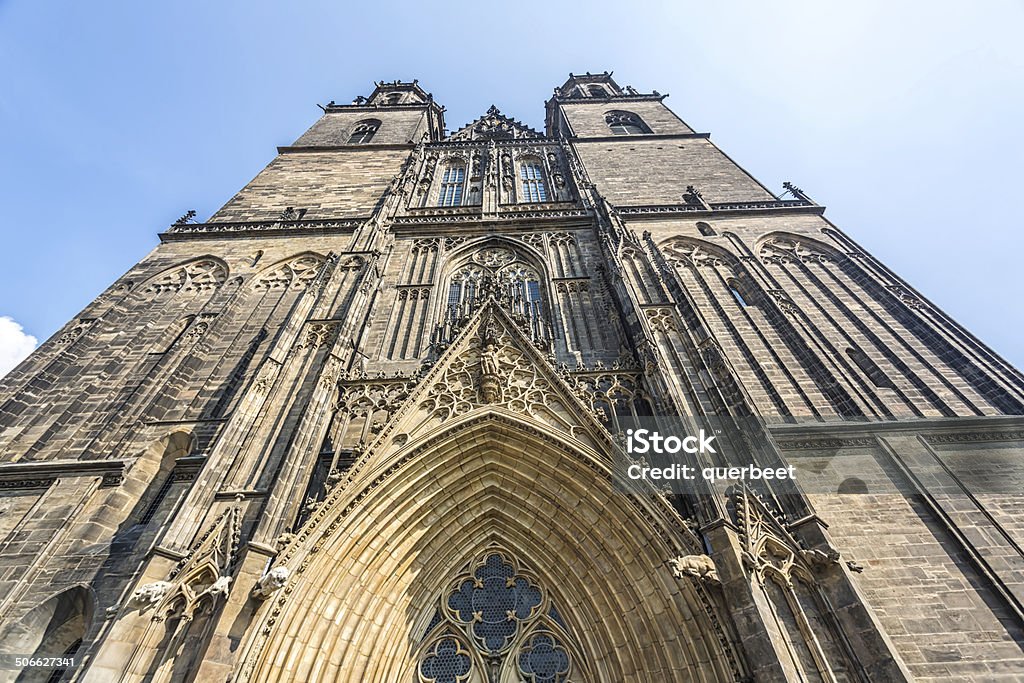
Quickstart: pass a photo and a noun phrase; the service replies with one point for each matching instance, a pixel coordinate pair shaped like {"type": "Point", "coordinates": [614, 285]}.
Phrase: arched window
{"type": "Point", "coordinates": [452, 183]}
{"type": "Point", "coordinates": [852, 485]}
{"type": "Point", "coordinates": [463, 291]}
{"type": "Point", "coordinates": [531, 173]}
{"type": "Point", "coordinates": [706, 229]}
{"type": "Point", "coordinates": [364, 132]}
{"type": "Point", "coordinates": [53, 629]}
{"type": "Point", "coordinates": [176, 445]}
{"type": "Point", "coordinates": [597, 91]}
{"type": "Point", "coordinates": [499, 272]}
{"type": "Point", "coordinates": [737, 293]}
{"type": "Point", "coordinates": [625, 123]}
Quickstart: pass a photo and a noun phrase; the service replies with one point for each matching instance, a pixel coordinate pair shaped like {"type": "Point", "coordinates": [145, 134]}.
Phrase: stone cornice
{"type": "Point", "coordinates": [612, 99]}
{"type": "Point", "coordinates": [481, 142]}
{"type": "Point", "coordinates": [471, 215]}
{"type": "Point", "coordinates": [42, 474]}
{"type": "Point", "coordinates": [505, 220]}
{"type": "Point", "coordinates": [185, 231]}
{"type": "Point", "coordinates": [719, 209]}
{"type": "Point", "coordinates": [641, 137]}
{"type": "Point", "coordinates": [377, 108]}
{"type": "Point", "coordinates": [851, 434]}
{"type": "Point", "coordinates": [368, 147]}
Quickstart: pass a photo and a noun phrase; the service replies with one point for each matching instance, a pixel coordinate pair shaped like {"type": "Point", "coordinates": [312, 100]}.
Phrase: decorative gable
{"type": "Point", "coordinates": [495, 126]}
{"type": "Point", "coordinates": [492, 364]}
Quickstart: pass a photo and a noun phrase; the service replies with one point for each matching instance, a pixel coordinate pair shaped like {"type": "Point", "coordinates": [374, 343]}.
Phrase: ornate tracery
{"type": "Point", "coordinates": [501, 273]}
{"type": "Point", "coordinates": [495, 622]}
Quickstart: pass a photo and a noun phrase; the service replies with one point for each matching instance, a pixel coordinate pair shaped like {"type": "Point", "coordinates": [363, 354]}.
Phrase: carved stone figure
{"type": "Point", "coordinates": [699, 567]}
{"type": "Point", "coordinates": [219, 588]}
{"type": "Point", "coordinates": [151, 593]}
{"type": "Point", "coordinates": [489, 364]}
{"type": "Point", "coordinates": [270, 582]}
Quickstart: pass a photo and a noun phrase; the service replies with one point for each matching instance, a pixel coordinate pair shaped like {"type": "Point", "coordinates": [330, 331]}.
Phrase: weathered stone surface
{"type": "Point", "coordinates": [285, 443]}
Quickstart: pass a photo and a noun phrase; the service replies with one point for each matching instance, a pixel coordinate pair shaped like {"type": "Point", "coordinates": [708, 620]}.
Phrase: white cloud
{"type": "Point", "coordinates": [15, 345]}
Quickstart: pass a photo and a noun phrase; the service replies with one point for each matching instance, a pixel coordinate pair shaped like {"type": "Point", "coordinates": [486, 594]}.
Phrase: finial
{"type": "Point", "coordinates": [694, 197]}
{"type": "Point", "coordinates": [187, 218]}
{"type": "Point", "coordinates": [796, 192]}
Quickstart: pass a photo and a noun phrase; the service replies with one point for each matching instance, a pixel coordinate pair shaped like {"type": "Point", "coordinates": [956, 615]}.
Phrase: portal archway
{"type": "Point", "coordinates": [369, 576]}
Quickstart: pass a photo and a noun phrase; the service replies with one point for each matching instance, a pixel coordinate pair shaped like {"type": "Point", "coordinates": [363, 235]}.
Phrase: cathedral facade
{"type": "Point", "coordinates": [362, 425]}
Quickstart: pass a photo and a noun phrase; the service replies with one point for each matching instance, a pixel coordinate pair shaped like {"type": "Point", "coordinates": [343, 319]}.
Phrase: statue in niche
{"type": "Point", "coordinates": [489, 361]}
{"type": "Point", "coordinates": [490, 367]}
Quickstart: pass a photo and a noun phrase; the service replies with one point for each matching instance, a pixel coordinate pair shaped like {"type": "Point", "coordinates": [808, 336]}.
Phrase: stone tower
{"type": "Point", "coordinates": [362, 425]}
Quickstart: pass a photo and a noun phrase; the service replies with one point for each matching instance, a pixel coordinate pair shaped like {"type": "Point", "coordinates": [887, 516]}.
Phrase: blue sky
{"type": "Point", "coordinates": [905, 119]}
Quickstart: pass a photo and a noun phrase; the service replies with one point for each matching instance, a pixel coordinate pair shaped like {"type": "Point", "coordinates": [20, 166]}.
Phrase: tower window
{"type": "Point", "coordinates": [706, 229]}
{"type": "Point", "coordinates": [451, 186]}
{"type": "Point", "coordinates": [625, 123]}
{"type": "Point", "coordinates": [454, 295]}
{"type": "Point", "coordinates": [597, 91]}
{"type": "Point", "coordinates": [532, 176]}
{"type": "Point", "coordinates": [393, 98]}
{"type": "Point", "coordinates": [364, 132]}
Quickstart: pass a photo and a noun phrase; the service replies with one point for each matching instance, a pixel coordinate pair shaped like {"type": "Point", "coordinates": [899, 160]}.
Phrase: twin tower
{"type": "Point", "coordinates": [361, 425]}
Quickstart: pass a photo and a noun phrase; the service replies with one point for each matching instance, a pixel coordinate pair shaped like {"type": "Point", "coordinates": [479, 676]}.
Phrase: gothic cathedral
{"type": "Point", "coordinates": [362, 425]}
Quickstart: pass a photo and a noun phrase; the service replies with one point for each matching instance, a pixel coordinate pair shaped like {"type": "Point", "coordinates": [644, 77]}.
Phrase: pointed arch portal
{"type": "Point", "coordinates": [493, 458]}
{"type": "Point", "coordinates": [362, 606]}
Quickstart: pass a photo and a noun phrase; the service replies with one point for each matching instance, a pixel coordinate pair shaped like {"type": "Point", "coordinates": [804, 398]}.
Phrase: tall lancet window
{"type": "Point", "coordinates": [452, 183]}
{"type": "Point", "coordinates": [531, 172]}
{"type": "Point", "coordinates": [522, 292]}
{"type": "Point", "coordinates": [463, 291]}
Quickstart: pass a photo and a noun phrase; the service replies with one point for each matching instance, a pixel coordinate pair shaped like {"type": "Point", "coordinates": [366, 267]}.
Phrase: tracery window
{"type": "Point", "coordinates": [452, 184]}
{"type": "Point", "coordinates": [625, 123]}
{"type": "Point", "coordinates": [522, 291]}
{"type": "Point", "coordinates": [463, 290]}
{"type": "Point", "coordinates": [531, 173]}
{"type": "Point", "coordinates": [364, 132]}
{"type": "Point", "coordinates": [501, 273]}
{"type": "Point", "coordinates": [496, 622]}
